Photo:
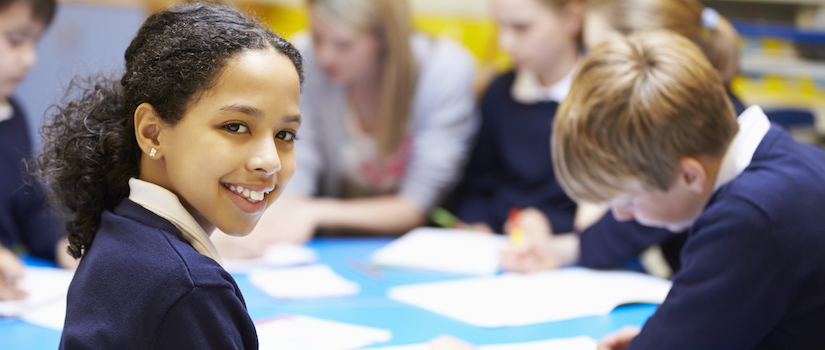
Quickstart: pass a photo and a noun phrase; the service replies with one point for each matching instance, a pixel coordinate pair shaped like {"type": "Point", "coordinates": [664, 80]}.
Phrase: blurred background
{"type": "Point", "coordinates": [782, 49]}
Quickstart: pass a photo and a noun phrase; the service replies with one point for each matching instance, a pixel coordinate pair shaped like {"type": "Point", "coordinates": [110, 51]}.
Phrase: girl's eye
{"type": "Point", "coordinates": [236, 127]}
{"type": "Point", "coordinates": [286, 136]}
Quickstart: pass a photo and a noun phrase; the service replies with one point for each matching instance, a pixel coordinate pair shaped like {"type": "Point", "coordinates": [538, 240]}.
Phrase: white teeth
{"type": "Point", "coordinates": [252, 196]}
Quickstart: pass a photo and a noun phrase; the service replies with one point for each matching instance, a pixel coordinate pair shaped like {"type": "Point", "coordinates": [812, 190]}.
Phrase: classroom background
{"type": "Point", "coordinates": [782, 62]}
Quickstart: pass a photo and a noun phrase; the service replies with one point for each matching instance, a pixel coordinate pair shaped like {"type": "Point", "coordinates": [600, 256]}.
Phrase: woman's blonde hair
{"type": "Point", "coordinates": [717, 39]}
{"type": "Point", "coordinates": [389, 21]}
{"type": "Point", "coordinates": [637, 106]}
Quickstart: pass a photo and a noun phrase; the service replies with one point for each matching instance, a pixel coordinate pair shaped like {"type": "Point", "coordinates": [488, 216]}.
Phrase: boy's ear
{"type": "Point", "coordinates": [147, 130]}
{"type": "Point", "coordinates": [693, 175]}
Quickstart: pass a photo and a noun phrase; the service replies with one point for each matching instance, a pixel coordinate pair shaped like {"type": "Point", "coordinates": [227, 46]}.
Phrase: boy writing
{"type": "Point", "coordinates": [648, 128]}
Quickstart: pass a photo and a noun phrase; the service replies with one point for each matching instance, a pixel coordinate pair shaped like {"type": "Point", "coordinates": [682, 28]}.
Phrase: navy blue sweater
{"type": "Point", "coordinates": [142, 286]}
{"type": "Point", "coordinates": [511, 165]}
{"type": "Point", "coordinates": [753, 268]}
{"type": "Point", "coordinates": [24, 216]}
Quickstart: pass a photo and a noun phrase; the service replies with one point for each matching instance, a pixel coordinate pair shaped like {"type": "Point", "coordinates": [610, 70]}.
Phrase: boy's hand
{"type": "Point", "coordinates": [540, 249]}
{"type": "Point", "coordinates": [446, 342]}
{"type": "Point", "coordinates": [11, 270]}
{"type": "Point", "coordinates": [618, 340]}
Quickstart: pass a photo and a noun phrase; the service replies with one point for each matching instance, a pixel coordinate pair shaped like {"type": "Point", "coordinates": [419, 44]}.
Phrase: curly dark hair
{"type": "Point", "coordinates": [90, 150]}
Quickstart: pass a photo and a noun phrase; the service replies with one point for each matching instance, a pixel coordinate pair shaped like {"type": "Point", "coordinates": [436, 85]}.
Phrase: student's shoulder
{"type": "Point", "coordinates": [137, 242]}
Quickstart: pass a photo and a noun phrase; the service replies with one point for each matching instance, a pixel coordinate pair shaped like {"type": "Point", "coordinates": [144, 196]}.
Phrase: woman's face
{"type": "Point", "coordinates": [534, 34]}
{"type": "Point", "coordinates": [233, 152]}
{"type": "Point", "coordinates": [19, 32]}
{"type": "Point", "coordinates": [345, 53]}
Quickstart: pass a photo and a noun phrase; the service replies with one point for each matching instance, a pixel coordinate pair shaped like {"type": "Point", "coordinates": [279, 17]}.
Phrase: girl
{"type": "Point", "coordinates": [511, 165]}
{"type": "Point", "coordinates": [25, 219]}
{"type": "Point", "coordinates": [388, 115]}
{"type": "Point", "coordinates": [196, 135]}
{"type": "Point", "coordinates": [608, 243]}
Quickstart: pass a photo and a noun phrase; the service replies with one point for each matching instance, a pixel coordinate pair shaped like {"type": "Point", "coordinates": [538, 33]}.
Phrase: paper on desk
{"type": "Point", "coordinates": [304, 282]}
{"type": "Point", "coordinates": [576, 343]}
{"type": "Point", "coordinates": [50, 315]}
{"type": "Point", "coordinates": [276, 255]}
{"type": "Point", "coordinates": [446, 250]}
{"type": "Point", "coordinates": [299, 332]}
{"type": "Point", "coordinates": [43, 285]}
{"type": "Point", "coordinates": [524, 299]}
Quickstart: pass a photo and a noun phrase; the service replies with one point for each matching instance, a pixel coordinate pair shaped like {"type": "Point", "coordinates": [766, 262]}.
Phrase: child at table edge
{"type": "Point", "coordinates": [648, 127]}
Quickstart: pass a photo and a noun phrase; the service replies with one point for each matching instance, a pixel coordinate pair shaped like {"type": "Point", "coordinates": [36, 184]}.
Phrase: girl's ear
{"type": "Point", "coordinates": [147, 130]}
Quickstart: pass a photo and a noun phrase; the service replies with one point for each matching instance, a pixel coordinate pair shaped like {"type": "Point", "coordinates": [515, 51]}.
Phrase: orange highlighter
{"type": "Point", "coordinates": [516, 232]}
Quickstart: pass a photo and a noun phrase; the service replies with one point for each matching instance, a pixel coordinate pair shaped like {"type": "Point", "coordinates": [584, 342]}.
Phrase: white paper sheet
{"type": "Point", "coordinates": [575, 343]}
{"type": "Point", "coordinates": [297, 332]}
{"type": "Point", "coordinates": [43, 285]}
{"type": "Point", "coordinates": [51, 315]}
{"type": "Point", "coordinates": [446, 250]}
{"type": "Point", "coordinates": [276, 255]}
{"type": "Point", "coordinates": [524, 299]}
{"type": "Point", "coordinates": [305, 282]}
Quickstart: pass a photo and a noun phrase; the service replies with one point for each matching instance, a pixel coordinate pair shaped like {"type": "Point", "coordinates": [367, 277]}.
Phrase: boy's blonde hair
{"type": "Point", "coordinates": [389, 21]}
{"type": "Point", "coordinates": [637, 106]}
{"type": "Point", "coordinates": [720, 43]}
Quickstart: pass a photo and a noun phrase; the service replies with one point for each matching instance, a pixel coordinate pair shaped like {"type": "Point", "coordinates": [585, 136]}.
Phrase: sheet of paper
{"type": "Point", "coordinates": [575, 343]}
{"type": "Point", "coordinates": [524, 299]}
{"type": "Point", "coordinates": [446, 250]}
{"type": "Point", "coordinates": [297, 332]}
{"type": "Point", "coordinates": [304, 282]}
{"type": "Point", "coordinates": [276, 255]}
{"type": "Point", "coordinates": [43, 285]}
{"type": "Point", "coordinates": [50, 315]}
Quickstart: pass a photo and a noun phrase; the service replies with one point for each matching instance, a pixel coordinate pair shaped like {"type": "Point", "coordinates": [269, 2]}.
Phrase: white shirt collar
{"type": "Point", "coordinates": [526, 88]}
{"type": "Point", "coordinates": [753, 125]}
{"type": "Point", "coordinates": [166, 204]}
{"type": "Point", "coordinates": [6, 110]}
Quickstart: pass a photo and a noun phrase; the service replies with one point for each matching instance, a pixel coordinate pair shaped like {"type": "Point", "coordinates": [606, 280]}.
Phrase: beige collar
{"type": "Point", "coordinates": [166, 204]}
{"type": "Point", "coordinates": [527, 89]}
{"type": "Point", "coordinates": [6, 111]}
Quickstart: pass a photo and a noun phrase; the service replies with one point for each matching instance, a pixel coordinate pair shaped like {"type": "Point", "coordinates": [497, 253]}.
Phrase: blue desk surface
{"type": "Point", "coordinates": [371, 308]}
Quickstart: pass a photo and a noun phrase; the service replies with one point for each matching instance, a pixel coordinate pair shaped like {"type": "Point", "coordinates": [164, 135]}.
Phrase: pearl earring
{"type": "Point", "coordinates": [153, 152]}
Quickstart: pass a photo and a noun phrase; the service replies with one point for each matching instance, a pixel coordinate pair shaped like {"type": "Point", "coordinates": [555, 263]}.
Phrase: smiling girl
{"type": "Point", "coordinates": [196, 135]}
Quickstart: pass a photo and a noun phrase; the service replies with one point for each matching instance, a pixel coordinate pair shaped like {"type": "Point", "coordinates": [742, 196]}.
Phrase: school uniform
{"type": "Point", "coordinates": [25, 217]}
{"type": "Point", "coordinates": [753, 272]}
{"type": "Point", "coordinates": [151, 279]}
{"type": "Point", "coordinates": [511, 164]}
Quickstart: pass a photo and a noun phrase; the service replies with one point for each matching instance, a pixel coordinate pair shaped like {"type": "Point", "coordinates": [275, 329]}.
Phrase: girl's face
{"type": "Point", "coordinates": [233, 152]}
{"type": "Point", "coordinates": [19, 33]}
{"type": "Point", "coordinates": [345, 53]}
{"type": "Point", "coordinates": [534, 34]}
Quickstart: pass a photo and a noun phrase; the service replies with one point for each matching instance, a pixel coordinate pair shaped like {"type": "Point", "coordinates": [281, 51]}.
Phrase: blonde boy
{"type": "Point", "coordinates": [647, 127]}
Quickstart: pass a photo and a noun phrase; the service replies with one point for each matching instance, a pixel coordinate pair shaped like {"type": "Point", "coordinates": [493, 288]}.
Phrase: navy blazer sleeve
{"type": "Point", "coordinates": [207, 318]}
{"type": "Point", "coordinates": [734, 286]}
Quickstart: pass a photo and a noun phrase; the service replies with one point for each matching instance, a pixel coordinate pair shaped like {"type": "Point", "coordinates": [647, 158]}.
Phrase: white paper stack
{"type": "Point", "coordinates": [45, 304]}
{"type": "Point", "coordinates": [524, 299]}
{"type": "Point", "coordinates": [276, 255]}
{"type": "Point", "coordinates": [445, 250]}
{"type": "Point", "coordinates": [574, 343]}
{"type": "Point", "coordinates": [303, 332]}
{"type": "Point", "coordinates": [304, 282]}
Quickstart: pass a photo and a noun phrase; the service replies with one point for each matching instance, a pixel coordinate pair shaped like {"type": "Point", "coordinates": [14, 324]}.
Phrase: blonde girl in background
{"type": "Point", "coordinates": [388, 116]}
{"type": "Point", "coordinates": [609, 243]}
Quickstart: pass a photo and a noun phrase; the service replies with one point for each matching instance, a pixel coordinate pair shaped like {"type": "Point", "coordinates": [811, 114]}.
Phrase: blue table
{"type": "Point", "coordinates": [371, 308]}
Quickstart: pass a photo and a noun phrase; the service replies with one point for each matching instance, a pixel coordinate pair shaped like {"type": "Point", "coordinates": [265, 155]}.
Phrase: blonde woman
{"type": "Point", "coordinates": [387, 117]}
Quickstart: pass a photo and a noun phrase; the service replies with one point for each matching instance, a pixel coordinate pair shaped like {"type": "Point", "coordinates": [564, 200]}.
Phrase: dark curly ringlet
{"type": "Point", "coordinates": [90, 150]}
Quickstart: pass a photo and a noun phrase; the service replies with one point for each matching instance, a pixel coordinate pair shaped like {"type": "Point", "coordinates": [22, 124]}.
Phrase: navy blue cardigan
{"type": "Point", "coordinates": [511, 165]}
{"type": "Point", "coordinates": [25, 217]}
{"type": "Point", "coordinates": [142, 286]}
{"type": "Point", "coordinates": [753, 268]}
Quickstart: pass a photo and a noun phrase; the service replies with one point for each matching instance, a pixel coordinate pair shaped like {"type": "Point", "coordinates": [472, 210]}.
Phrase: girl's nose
{"type": "Point", "coordinates": [265, 159]}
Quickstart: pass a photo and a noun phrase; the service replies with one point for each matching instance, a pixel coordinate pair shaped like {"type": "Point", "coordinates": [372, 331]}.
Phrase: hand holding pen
{"type": "Point", "coordinates": [532, 244]}
{"type": "Point", "coordinates": [11, 270]}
